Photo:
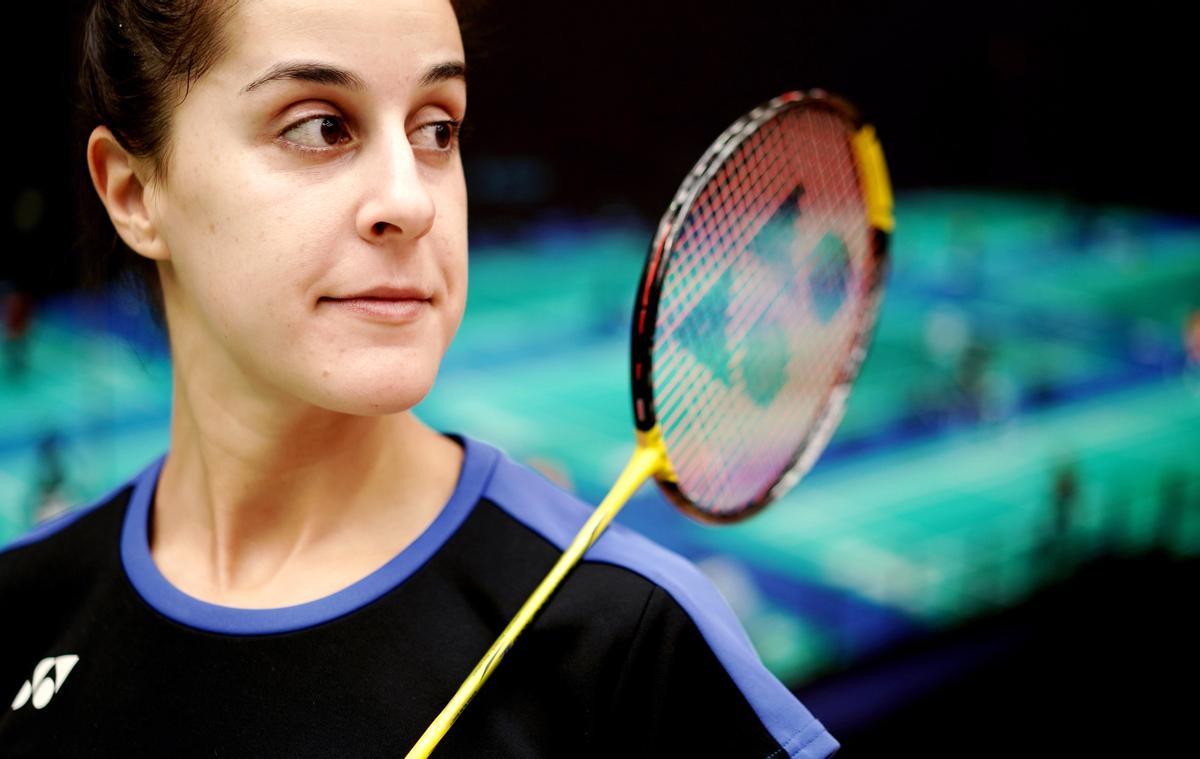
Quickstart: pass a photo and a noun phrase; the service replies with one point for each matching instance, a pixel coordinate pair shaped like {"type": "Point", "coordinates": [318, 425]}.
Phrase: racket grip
{"type": "Point", "coordinates": [645, 462]}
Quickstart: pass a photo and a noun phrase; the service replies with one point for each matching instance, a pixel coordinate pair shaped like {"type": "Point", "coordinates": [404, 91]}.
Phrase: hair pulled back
{"type": "Point", "coordinates": [138, 59]}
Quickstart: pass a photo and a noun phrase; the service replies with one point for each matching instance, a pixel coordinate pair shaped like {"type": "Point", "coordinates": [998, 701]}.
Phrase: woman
{"type": "Point", "coordinates": [310, 571]}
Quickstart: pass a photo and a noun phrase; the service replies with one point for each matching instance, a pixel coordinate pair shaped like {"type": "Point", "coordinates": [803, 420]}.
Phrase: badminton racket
{"type": "Point", "coordinates": [751, 319]}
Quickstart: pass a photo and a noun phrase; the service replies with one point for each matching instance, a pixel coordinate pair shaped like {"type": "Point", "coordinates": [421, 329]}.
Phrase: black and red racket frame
{"type": "Point", "coordinates": [645, 310]}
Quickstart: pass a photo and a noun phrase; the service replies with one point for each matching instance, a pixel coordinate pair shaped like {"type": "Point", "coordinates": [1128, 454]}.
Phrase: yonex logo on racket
{"type": "Point", "coordinates": [757, 301]}
{"type": "Point", "coordinates": [42, 687]}
{"type": "Point", "coordinates": [781, 269]}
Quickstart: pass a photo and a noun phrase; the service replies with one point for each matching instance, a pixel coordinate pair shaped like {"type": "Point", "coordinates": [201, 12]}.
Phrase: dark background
{"type": "Point", "coordinates": [622, 97]}
{"type": "Point", "coordinates": [594, 108]}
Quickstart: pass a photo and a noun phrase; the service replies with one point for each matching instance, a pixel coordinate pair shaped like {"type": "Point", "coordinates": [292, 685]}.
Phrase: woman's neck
{"type": "Point", "coordinates": [260, 507]}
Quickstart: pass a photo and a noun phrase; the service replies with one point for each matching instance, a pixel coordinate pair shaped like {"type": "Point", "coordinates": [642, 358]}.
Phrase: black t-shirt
{"type": "Point", "coordinates": [636, 655]}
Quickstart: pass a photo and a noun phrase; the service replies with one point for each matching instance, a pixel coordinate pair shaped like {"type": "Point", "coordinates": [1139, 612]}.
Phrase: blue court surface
{"type": "Point", "coordinates": [1028, 404]}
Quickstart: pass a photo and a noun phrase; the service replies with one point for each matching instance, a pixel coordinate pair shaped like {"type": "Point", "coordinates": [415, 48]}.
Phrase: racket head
{"type": "Point", "coordinates": [757, 302]}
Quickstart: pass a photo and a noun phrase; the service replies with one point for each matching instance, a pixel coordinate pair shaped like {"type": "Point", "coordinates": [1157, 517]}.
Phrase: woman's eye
{"type": "Point", "coordinates": [318, 132]}
{"type": "Point", "coordinates": [438, 136]}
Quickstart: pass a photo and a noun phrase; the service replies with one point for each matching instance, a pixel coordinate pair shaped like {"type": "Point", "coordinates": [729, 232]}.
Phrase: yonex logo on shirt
{"type": "Point", "coordinates": [42, 688]}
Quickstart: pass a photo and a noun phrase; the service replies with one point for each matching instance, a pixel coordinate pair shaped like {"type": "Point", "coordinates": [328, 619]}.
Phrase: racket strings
{"type": "Point", "coordinates": [761, 307]}
{"type": "Point", "coordinates": [724, 220]}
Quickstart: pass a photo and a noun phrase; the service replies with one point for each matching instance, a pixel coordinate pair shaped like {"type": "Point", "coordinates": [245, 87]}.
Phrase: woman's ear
{"type": "Point", "coordinates": [115, 175]}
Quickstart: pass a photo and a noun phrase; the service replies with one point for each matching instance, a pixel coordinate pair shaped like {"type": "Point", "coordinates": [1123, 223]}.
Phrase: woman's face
{"type": "Point", "coordinates": [313, 206]}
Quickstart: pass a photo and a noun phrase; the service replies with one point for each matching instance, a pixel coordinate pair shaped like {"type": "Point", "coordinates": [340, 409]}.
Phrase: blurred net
{"type": "Point", "coordinates": [762, 304]}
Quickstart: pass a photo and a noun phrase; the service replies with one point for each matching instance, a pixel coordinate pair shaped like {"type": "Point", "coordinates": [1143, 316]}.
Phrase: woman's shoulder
{"type": "Point", "coordinates": [66, 548]}
{"type": "Point", "coordinates": [682, 649]}
{"type": "Point", "coordinates": [555, 515]}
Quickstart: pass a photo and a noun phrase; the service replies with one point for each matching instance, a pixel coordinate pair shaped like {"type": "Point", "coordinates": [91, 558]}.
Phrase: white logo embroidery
{"type": "Point", "coordinates": [41, 688]}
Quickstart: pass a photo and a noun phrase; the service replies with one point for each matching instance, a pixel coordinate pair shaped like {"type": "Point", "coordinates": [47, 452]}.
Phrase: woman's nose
{"type": "Point", "coordinates": [397, 201]}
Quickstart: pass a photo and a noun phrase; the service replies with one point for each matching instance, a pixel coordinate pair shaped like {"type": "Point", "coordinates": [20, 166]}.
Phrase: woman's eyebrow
{"type": "Point", "coordinates": [440, 72]}
{"type": "Point", "coordinates": [325, 73]}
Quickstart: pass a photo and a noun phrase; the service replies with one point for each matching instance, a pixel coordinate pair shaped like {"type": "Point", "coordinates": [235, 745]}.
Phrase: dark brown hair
{"type": "Point", "coordinates": [138, 59]}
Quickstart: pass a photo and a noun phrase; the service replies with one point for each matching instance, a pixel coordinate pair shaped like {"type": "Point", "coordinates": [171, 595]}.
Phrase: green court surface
{"type": "Point", "coordinates": [1027, 404]}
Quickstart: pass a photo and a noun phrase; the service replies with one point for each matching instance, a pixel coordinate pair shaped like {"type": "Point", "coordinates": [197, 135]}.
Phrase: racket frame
{"type": "Point", "coordinates": [875, 187]}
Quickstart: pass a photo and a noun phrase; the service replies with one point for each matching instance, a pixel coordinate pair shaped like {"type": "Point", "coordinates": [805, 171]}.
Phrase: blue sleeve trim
{"type": "Point", "coordinates": [557, 516]}
{"type": "Point", "coordinates": [478, 464]}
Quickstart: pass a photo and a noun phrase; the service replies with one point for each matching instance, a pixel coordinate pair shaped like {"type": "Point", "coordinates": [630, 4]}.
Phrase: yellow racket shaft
{"type": "Point", "coordinates": [649, 459]}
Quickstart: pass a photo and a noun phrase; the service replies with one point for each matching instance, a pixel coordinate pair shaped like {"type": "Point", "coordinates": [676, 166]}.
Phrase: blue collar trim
{"type": "Point", "coordinates": [479, 461]}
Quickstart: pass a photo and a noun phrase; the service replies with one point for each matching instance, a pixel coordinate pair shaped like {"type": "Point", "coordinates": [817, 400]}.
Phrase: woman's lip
{"type": "Point", "coordinates": [381, 308]}
{"type": "Point", "coordinates": [387, 292]}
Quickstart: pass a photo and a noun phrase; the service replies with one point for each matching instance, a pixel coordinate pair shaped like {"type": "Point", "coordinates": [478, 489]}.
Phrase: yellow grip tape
{"type": "Point", "coordinates": [877, 187]}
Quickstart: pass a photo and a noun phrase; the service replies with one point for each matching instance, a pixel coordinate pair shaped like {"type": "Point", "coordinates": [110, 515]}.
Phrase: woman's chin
{"type": "Point", "coordinates": [374, 396]}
